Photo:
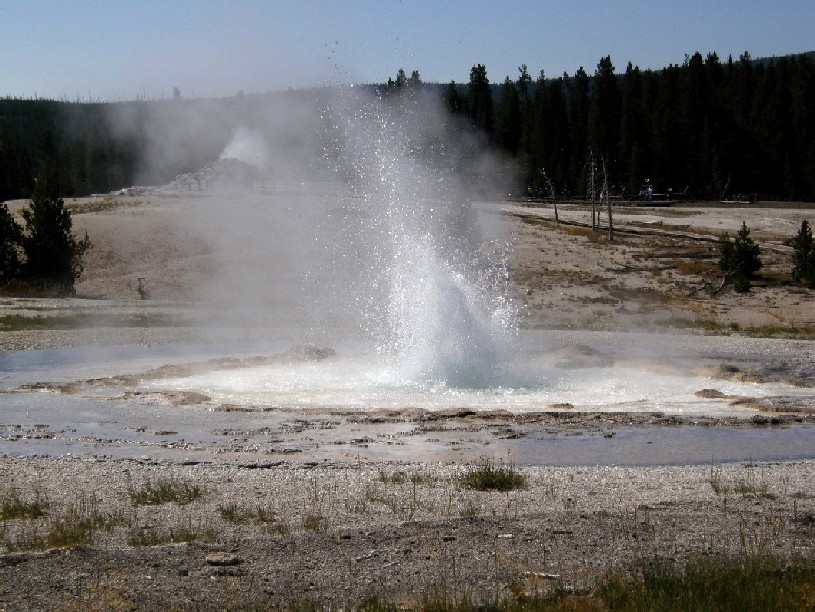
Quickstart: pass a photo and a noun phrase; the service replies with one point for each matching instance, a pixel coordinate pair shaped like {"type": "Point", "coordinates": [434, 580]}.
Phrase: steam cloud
{"type": "Point", "coordinates": [248, 147]}
{"type": "Point", "coordinates": [360, 223]}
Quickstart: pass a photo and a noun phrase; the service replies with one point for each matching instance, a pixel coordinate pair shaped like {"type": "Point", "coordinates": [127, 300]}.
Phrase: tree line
{"type": "Point", "coordinates": [707, 129]}
{"type": "Point", "coordinates": [98, 147]}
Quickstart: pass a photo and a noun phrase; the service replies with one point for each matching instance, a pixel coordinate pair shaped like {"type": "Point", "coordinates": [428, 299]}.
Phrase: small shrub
{"type": "Point", "coordinates": [488, 476]}
{"type": "Point", "coordinates": [739, 259]}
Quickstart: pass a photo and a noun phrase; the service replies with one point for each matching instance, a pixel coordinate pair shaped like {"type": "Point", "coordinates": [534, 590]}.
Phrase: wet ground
{"type": "Point", "coordinates": [570, 398]}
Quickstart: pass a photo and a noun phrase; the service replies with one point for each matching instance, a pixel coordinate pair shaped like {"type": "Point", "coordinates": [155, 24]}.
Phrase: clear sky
{"type": "Point", "coordinates": [124, 49]}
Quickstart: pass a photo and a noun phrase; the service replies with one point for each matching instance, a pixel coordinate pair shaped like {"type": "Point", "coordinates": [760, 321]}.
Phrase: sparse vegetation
{"type": "Point", "coordinates": [487, 476]}
{"type": "Point", "coordinates": [314, 522]}
{"type": "Point", "coordinates": [13, 506]}
{"type": "Point", "coordinates": [236, 513]}
{"type": "Point", "coordinates": [749, 484]}
{"type": "Point", "coordinates": [179, 534]}
{"type": "Point", "coordinates": [165, 491]}
{"type": "Point", "coordinates": [763, 331]}
{"type": "Point", "coordinates": [737, 584]}
{"type": "Point", "coordinates": [75, 525]}
{"type": "Point", "coordinates": [103, 204]}
{"type": "Point", "coordinates": [755, 566]}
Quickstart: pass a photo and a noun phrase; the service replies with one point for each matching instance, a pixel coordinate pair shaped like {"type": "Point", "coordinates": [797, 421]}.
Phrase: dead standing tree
{"type": "Point", "coordinates": [599, 176]}
{"type": "Point", "coordinates": [591, 187]}
{"type": "Point", "coordinates": [607, 195]}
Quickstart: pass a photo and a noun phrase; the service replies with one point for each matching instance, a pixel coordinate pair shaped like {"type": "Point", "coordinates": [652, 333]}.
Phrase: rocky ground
{"type": "Point", "coordinates": [294, 532]}
{"type": "Point", "coordinates": [336, 535]}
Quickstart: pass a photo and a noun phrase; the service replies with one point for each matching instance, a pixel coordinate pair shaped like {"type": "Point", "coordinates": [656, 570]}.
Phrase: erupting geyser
{"type": "Point", "coordinates": [426, 285]}
{"type": "Point", "coordinates": [389, 259]}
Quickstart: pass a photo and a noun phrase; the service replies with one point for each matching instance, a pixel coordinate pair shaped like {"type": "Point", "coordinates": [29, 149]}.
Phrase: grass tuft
{"type": "Point", "coordinates": [748, 485]}
{"type": "Point", "coordinates": [487, 476]}
{"type": "Point", "coordinates": [165, 491]}
{"type": "Point", "coordinates": [12, 506]}
{"type": "Point", "coordinates": [314, 522]}
{"type": "Point", "coordinates": [76, 526]}
{"type": "Point", "coordinates": [178, 535]}
{"type": "Point", "coordinates": [235, 513]}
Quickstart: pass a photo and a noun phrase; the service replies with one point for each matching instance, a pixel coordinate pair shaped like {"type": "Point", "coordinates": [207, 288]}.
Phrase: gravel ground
{"type": "Point", "coordinates": [334, 535]}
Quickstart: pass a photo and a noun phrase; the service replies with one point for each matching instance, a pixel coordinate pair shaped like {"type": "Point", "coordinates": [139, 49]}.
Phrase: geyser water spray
{"type": "Point", "coordinates": [429, 290]}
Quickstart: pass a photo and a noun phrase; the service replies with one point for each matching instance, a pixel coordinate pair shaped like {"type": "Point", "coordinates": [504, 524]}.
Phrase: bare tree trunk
{"type": "Point", "coordinates": [551, 188]}
{"type": "Point", "coordinates": [610, 222]}
{"type": "Point", "coordinates": [592, 192]}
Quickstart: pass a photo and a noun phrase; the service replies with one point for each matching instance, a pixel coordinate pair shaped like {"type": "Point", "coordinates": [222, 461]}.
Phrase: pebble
{"type": "Point", "coordinates": [222, 559]}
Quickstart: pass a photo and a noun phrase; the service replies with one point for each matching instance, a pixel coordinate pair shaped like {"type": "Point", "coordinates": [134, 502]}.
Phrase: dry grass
{"type": "Point", "coordinates": [166, 491]}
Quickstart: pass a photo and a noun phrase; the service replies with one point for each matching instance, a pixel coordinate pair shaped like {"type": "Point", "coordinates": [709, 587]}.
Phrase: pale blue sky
{"type": "Point", "coordinates": [124, 49]}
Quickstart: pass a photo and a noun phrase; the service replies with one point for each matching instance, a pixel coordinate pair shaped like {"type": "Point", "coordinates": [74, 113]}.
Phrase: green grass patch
{"type": "Point", "coordinates": [235, 513]}
{"type": "Point", "coordinates": [77, 525]}
{"type": "Point", "coordinates": [178, 535]}
{"type": "Point", "coordinates": [713, 584]}
{"type": "Point", "coordinates": [165, 491]}
{"type": "Point", "coordinates": [762, 331]}
{"type": "Point", "coordinates": [12, 506]}
{"type": "Point", "coordinates": [708, 584]}
{"type": "Point", "coordinates": [489, 476]}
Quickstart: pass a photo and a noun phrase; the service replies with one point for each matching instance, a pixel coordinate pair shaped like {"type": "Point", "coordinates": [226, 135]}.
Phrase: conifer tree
{"type": "Point", "coordinates": [53, 257]}
{"type": "Point", "coordinates": [804, 256]}
{"type": "Point", "coordinates": [479, 99]}
{"type": "Point", "coordinates": [10, 236]}
{"type": "Point", "coordinates": [508, 122]}
{"type": "Point", "coordinates": [739, 258]}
